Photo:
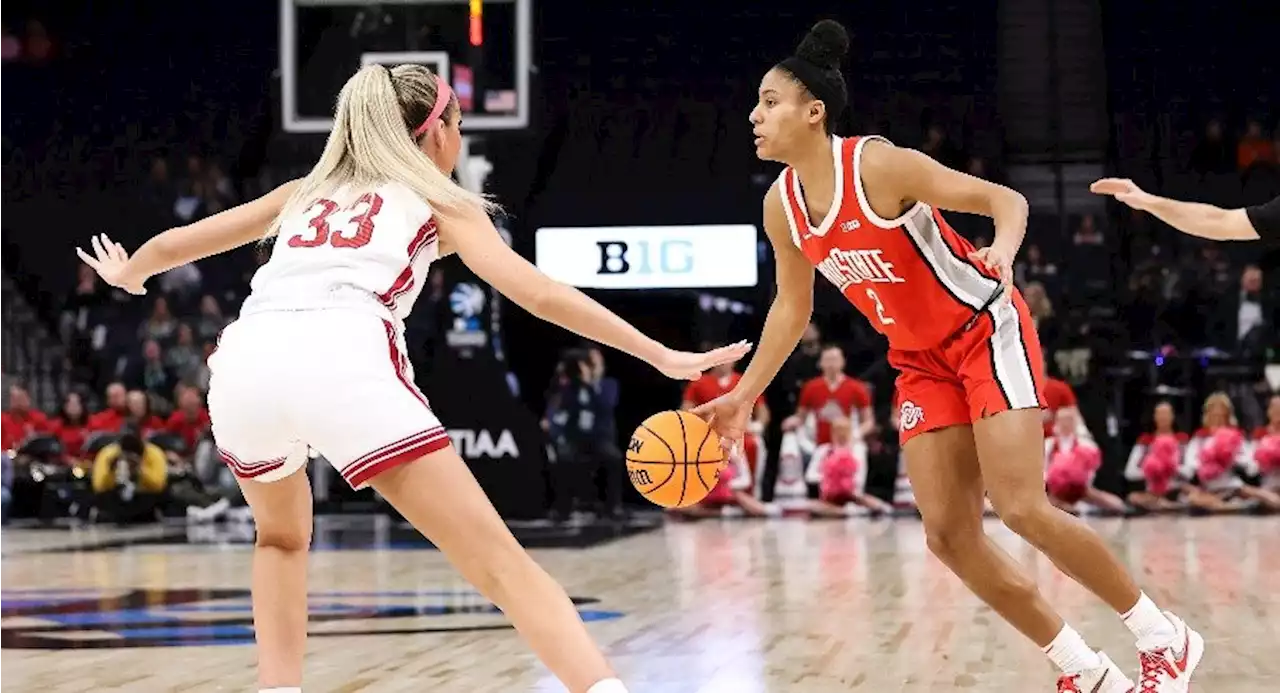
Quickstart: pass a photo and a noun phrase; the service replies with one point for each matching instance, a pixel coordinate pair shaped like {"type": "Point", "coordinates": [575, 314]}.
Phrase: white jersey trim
{"type": "Point", "coordinates": [869, 213]}
{"type": "Point", "coordinates": [837, 199]}
{"type": "Point", "coordinates": [784, 194]}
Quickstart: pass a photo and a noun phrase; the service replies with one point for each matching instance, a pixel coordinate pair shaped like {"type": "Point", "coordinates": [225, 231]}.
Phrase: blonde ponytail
{"type": "Point", "coordinates": [371, 143]}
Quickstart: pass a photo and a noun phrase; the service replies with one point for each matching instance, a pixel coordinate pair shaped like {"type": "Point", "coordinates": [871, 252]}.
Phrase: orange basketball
{"type": "Point", "coordinates": [674, 459]}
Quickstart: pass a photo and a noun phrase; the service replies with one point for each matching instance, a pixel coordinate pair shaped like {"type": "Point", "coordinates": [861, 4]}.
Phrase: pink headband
{"type": "Point", "coordinates": [443, 94]}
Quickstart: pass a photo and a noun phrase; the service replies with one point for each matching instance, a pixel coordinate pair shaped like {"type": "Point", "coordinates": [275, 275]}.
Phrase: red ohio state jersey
{"type": "Point", "coordinates": [909, 276]}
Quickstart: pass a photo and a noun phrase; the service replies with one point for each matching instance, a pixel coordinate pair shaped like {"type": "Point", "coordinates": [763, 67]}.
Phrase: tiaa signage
{"type": "Point", "coordinates": [650, 257]}
{"type": "Point", "coordinates": [484, 444]}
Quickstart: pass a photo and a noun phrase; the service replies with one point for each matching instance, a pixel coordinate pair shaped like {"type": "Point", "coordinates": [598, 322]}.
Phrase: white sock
{"type": "Point", "coordinates": [283, 689]}
{"type": "Point", "coordinates": [607, 686]}
{"type": "Point", "coordinates": [1070, 653]}
{"type": "Point", "coordinates": [1148, 623]}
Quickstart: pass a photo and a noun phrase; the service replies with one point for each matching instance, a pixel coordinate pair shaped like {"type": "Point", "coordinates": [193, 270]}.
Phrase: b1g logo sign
{"type": "Point", "coordinates": [650, 257]}
{"type": "Point", "coordinates": [59, 619]}
{"type": "Point", "coordinates": [670, 257]}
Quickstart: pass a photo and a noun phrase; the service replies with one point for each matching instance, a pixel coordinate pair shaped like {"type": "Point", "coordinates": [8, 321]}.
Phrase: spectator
{"type": "Point", "coordinates": [575, 415]}
{"type": "Point", "coordinates": [111, 419]}
{"type": "Point", "coordinates": [1067, 451]}
{"type": "Point", "coordinates": [1251, 317]}
{"type": "Point", "coordinates": [1041, 312]}
{"type": "Point", "coordinates": [10, 49]}
{"type": "Point", "coordinates": [71, 426]}
{"type": "Point", "coordinates": [838, 470]}
{"type": "Point", "coordinates": [183, 359]}
{"type": "Point", "coordinates": [1266, 446]}
{"type": "Point", "coordinates": [1152, 490]}
{"type": "Point", "coordinates": [1088, 233]}
{"type": "Point", "coordinates": [190, 419]}
{"type": "Point", "coordinates": [1059, 397]}
{"type": "Point", "coordinates": [129, 479]}
{"type": "Point", "coordinates": [830, 397]}
{"type": "Point", "coordinates": [140, 418]}
{"type": "Point", "coordinates": [211, 321]}
{"type": "Point", "coordinates": [150, 374]}
{"type": "Point", "coordinates": [1212, 464]}
{"type": "Point", "coordinates": [1035, 268]}
{"type": "Point", "coordinates": [22, 420]}
{"type": "Point", "coordinates": [7, 489]}
{"type": "Point", "coordinates": [160, 325]}
{"type": "Point", "coordinates": [1211, 154]}
{"type": "Point", "coordinates": [1255, 148]}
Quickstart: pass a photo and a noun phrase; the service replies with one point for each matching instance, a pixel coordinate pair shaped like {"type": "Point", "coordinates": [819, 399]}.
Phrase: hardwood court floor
{"type": "Point", "coordinates": [711, 607]}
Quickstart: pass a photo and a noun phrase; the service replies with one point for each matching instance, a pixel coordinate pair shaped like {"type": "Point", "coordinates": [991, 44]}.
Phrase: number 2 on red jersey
{"type": "Point", "coordinates": [325, 234]}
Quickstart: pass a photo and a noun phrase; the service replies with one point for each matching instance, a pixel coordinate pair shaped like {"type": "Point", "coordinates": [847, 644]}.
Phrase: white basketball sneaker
{"type": "Point", "coordinates": [1107, 678]}
{"type": "Point", "coordinates": [1168, 669]}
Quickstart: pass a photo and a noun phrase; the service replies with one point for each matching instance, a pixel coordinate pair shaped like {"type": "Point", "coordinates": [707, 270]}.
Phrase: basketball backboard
{"type": "Point", "coordinates": [322, 42]}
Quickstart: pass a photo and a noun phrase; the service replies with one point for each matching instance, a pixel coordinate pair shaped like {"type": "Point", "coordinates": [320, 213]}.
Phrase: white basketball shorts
{"type": "Point", "coordinates": [336, 381]}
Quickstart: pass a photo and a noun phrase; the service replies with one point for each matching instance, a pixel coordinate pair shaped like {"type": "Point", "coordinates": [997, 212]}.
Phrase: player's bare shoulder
{"type": "Point", "coordinates": [882, 165]}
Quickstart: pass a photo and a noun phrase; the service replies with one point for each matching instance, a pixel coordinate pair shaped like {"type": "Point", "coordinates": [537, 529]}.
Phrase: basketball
{"type": "Point", "coordinates": [674, 459]}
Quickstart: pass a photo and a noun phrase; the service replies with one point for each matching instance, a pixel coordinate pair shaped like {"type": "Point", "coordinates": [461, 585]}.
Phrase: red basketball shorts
{"type": "Point", "coordinates": [993, 365]}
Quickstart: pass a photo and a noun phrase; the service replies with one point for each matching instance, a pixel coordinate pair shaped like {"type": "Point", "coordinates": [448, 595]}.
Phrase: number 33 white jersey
{"type": "Point", "coordinates": [358, 248]}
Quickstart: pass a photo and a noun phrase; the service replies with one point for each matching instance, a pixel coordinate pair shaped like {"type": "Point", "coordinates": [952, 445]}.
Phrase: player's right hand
{"type": "Point", "coordinates": [729, 417]}
{"type": "Point", "coordinates": [683, 365]}
{"type": "Point", "coordinates": [1124, 190]}
{"type": "Point", "coordinates": [110, 261]}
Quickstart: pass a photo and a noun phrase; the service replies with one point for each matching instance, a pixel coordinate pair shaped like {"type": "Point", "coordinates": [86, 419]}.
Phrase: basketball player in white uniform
{"type": "Point", "coordinates": [317, 359]}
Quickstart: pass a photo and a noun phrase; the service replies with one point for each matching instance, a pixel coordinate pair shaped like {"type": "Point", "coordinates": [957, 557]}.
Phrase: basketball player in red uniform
{"type": "Point", "coordinates": [864, 213]}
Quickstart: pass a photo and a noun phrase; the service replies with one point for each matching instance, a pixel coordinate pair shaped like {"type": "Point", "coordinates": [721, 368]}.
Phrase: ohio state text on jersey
{"type": "Point", "coordinates": [909, 276]}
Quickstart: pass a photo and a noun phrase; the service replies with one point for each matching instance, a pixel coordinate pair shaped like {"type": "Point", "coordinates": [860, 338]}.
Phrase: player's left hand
{"type": "Point", "coordinates": [683, 365]}
{"type": "Point", "coordinates": [109, 260]}
{"type": "Point", "coordinates": [997, 259]}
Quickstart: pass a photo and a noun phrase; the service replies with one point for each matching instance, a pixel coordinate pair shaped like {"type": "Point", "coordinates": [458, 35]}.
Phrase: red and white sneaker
{"type": "Point", "coordinates": [1107, 678]}
{"type": "Point", "coordinates": [1168, 669]}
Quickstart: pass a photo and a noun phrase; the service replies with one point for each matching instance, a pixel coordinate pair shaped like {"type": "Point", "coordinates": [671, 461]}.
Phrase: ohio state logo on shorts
{"type": "Point", "coordinates": [909, 416]}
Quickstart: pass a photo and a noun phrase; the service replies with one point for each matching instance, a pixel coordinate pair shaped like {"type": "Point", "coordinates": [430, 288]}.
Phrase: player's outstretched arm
{"type": "Point", "coordinates": [1194, 218]}
{"type": "Point", "coordinates": [219, 233]}
{"type": "Point", "coordinates": [481, 248]}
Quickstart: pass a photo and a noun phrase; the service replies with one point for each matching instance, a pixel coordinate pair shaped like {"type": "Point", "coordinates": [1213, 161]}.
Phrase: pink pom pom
{"type": "Point", "coordinates": [1219, 453]}
{"type": "Point", "coordinates": [1268, 453]}
{"type": "Point", "coordinates": [838, 471]}
{"type": "Point", "coordinates": [1165, 445]}
{"type": "Point", "coordinates": [1089, 457]}
{"type": "Point", "coordinates": [1159, 467]}
{"type": "Point", "coordinates": [1067, 479]}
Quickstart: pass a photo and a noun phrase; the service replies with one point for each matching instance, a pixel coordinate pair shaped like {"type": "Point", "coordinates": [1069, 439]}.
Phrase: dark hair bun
{"type": "Point", "coordinates": [825, 45]}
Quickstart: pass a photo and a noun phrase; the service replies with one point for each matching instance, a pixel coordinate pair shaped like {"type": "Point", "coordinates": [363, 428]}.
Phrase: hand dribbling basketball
{"type": "Point", "coordinates": [674, 459]}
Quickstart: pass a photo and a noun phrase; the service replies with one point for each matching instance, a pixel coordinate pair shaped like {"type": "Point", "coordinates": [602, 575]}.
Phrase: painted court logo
{"type": "Point", "coordinates": [58, 619]}
{"type": "Point", "coordinates": [909, 416]}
